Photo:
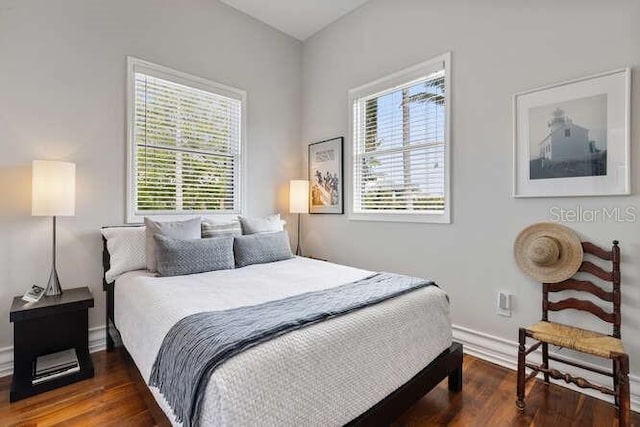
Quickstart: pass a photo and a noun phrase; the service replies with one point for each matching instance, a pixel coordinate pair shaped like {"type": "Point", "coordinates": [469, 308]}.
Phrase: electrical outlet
{"type": "Point", "coordinates": [504, 304]}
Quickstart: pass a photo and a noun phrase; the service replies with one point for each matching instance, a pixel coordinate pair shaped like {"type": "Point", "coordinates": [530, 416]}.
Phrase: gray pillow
{"type": "Point", "coordinates": [184, 230]}
{"type": "Point", "coordinates": [178, 257]}
{"type": "Point", "coordinates": [261, 248]}
{"type": "Point", "coordinates": [212, 228]}
{"type": "Point", "coordinates": [269, 224]}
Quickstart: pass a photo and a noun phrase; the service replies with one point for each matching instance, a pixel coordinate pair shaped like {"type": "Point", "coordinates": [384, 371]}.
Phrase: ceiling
{"type": "Point", "coordinates": [298, 18]}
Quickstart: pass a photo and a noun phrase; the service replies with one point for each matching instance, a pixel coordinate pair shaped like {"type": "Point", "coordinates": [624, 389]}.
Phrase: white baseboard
{"type": "Point", "coordinates": [97, 342]}
{"type": "Point", "coordinates": [505, 353]}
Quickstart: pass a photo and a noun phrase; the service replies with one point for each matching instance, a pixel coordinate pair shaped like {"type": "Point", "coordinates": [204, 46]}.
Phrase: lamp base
{"type": "Point", "coordinates": [298, 249]}
{"type": "Point", "coordinates": [53, 287]}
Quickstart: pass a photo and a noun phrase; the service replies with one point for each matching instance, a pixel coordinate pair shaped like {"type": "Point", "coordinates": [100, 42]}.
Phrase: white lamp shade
{"type": "Point", "coordinates": [299, 196]}
{"type": "Point", "coordinates": [53, 188]}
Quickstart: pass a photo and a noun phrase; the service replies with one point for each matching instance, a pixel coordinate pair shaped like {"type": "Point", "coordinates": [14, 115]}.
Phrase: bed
{"type": "Point", "coordinates": [362, 368]}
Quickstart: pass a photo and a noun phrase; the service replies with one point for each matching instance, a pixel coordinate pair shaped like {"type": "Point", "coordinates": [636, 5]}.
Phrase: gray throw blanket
{"type": "Point", "coordinates": [199, 343]}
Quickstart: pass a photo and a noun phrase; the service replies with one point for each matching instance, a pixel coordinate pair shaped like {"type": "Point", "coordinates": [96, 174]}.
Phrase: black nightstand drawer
{"type": "Point", "coordinates": [70, 300]}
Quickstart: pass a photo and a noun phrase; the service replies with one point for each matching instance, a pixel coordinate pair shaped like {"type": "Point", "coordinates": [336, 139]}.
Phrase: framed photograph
{"type": "Point", "coordinates": [572, 138]}
{"type": "Point", "coordinates": [326, 182]}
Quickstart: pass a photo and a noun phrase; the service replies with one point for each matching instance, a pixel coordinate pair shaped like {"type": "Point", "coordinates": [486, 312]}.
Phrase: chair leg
{"type": "Point", "coordinates": [545, 360]}
{"type": "Point", "coordinates": [522, 337]}
{"type": "Point", "coordinates": [616, 388]}
{"type": "Point", "coordinates": [624, 408]}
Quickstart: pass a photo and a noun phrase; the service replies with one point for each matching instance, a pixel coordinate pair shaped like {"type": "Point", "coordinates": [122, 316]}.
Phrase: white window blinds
{"type": "Point", "coordinates": [186, 147]}
{"type": "Point", "coordinates": [400, 146]}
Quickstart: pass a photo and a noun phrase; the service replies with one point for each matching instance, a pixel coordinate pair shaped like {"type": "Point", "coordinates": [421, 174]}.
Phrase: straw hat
{"type": "Point", "coordinates": [548, 252]}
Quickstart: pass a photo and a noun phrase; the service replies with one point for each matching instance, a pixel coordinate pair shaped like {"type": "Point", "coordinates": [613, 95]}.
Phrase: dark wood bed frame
{"type": "Point", "coordinates": [447, 364]}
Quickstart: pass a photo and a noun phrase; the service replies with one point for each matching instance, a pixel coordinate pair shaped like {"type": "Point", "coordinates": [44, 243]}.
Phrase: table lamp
{"type": "Point", "coordinates": [53, 193]}
{"type": "Point", "coordinates": [298, 202]}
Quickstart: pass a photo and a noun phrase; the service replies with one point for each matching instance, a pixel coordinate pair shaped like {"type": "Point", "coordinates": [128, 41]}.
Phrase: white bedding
{"type": "Point", "coordinates": [326, 374]}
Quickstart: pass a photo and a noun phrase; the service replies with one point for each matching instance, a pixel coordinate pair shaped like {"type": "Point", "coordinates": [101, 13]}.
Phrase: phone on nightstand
{"type": "Point", "coordinates": [34, 294]}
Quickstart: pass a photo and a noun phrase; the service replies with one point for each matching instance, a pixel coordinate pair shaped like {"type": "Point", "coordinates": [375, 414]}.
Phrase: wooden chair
{"type": "Point", "coordinates": [610, 347]}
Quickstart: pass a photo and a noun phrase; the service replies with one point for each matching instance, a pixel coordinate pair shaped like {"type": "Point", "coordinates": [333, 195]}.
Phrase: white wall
{"type": "Point", "coordinates": [499, 47]}
{"type": "Point", "coordinates": [62, 96]}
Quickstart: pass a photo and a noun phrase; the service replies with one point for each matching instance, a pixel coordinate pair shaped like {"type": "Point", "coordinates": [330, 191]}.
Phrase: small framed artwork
{"type": "Point", "coordinates": [326, 183]}
{"type": "Point", "coordinates": [572, 138]}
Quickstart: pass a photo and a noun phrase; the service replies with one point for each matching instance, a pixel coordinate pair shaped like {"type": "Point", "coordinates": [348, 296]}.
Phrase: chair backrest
{"type": "Point", "coordinates": [572, 284]}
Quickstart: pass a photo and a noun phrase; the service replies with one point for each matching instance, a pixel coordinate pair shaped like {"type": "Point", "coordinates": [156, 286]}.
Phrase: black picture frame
{"type": "Point", "coordinates": [326, 176]}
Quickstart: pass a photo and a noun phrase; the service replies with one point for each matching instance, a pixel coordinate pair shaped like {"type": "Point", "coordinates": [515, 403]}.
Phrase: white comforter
{"type": "Point", "coordinates": [325, 374]}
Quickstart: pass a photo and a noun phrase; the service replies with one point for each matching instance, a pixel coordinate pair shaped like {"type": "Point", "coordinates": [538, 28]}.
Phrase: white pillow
{"type": "Point", "coordinates": [126, 246]}
{"type": "Point", "coordinates": [269, 224]}
{"type": "Point", "coordinates": [181, 230]}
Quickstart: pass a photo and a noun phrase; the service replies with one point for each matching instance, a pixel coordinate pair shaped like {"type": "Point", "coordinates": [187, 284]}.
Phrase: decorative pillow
{"type": "Point", "coordinates": [269, 224]}
{"type": "Point", "coordinates": [126, 246]}
{"type": "Point", "coordinates": [184, 230]}
{"type": "Point", "coordinates": [178, 257]}
{"type": "Point", "coordinates": [261, 248]}
{"type": "Point", "coordinates": [212, 228]}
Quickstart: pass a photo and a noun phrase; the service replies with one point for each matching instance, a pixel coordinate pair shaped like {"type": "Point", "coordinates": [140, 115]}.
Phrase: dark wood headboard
{"type": "Point", "coordinates": [113, 336]}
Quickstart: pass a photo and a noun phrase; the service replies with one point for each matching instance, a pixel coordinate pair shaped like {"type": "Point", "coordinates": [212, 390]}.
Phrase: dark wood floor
{"type": "Point", "coordinates": [116, 396]}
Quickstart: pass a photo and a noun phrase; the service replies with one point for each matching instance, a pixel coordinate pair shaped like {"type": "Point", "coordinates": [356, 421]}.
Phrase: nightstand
{"type": "Point", "coordinates": [50, 325]}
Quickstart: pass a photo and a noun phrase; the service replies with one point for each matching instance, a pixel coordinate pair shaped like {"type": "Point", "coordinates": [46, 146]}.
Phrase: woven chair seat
{"type": "Point", "coordinates": [577, 339]}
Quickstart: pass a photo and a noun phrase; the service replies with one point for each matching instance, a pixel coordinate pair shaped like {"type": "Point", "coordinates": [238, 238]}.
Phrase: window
{"type": "Point", "coordinates": [567, 133]}
{"type": "Point", "coordinates": [185, 137]}
{"type": "Point", "coordinates": [400, 146]}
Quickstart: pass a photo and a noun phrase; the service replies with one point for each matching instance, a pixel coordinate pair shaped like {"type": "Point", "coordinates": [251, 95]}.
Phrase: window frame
{"type": "Point", "coordinates": [135, 65]}
{"type": "Point", "coordinates": [389, 83]}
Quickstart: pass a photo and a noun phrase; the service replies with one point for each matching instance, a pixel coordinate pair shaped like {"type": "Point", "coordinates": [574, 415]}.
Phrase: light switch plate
{"type": "Point", "coordinates": [504, 304]}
